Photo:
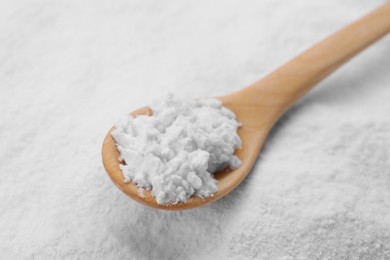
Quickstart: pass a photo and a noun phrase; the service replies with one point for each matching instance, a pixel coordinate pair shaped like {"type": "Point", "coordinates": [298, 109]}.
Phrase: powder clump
{"type": "Point", "coordinates": [175, 151]}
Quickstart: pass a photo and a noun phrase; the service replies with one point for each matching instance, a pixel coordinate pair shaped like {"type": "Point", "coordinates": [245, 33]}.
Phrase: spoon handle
{"type": "Point", "coordinates": [286, 85]}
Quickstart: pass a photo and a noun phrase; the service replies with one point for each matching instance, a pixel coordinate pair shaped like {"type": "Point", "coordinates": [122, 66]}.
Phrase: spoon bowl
{"type": "Point", "coordinates": [260, 105]}
{"type": "Point", "coordinates": [252, 139]}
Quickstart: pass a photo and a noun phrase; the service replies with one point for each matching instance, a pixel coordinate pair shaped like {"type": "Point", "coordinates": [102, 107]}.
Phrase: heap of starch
{"type": "Point", "coordinates": [175, 151]}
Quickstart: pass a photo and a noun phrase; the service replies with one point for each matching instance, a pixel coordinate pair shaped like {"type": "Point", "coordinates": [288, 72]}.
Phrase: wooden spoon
{"type": "Point", "coordinates": [260, 105]}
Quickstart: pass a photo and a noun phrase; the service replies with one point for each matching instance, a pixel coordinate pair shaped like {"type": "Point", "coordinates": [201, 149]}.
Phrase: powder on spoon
{"type": "Point", "coordinates": [175, 152]}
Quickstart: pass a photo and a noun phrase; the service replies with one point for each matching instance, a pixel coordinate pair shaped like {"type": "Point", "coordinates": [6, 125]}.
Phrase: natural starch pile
{"type": "Point", "coordinates": [175, 151]}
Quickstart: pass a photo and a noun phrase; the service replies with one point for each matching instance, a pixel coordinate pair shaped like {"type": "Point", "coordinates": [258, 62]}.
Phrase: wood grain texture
{"type": "Point", "coordinates": [260, 105]}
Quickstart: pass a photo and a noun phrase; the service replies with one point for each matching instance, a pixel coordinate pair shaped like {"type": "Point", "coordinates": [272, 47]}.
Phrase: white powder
{"type": "Point", "coordinates": [319, 190]}
{"type": "Point", "coordinates": [175, 151]}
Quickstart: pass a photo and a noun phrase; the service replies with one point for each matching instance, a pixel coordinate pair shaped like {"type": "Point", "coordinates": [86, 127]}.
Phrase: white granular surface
{"type": "Point", "coordinates": [175, 151]}
{"type": "Point", "coordinates": [320, 189]}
